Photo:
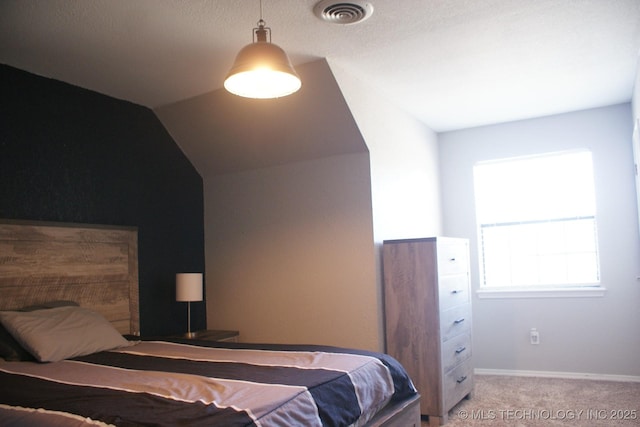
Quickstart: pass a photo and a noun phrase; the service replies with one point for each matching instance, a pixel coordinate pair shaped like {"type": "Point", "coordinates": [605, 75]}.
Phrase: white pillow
{"type": "Point", "coordinates": [61, 333]}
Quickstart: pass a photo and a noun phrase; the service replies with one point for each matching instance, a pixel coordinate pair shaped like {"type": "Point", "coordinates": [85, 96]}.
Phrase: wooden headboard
{"type": "Point", "coordinates": [93, 265]}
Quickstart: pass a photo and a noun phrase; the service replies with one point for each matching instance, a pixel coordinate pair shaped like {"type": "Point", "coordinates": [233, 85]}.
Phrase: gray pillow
{"type": "Point", "coordinates": [10, 349]}
{"type": "Point", "coordinates": [62, 332]}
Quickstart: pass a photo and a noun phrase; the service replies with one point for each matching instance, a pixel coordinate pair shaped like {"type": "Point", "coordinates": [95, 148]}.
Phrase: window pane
{"type": "Point", "coordinates": [536, 219]}
{"type": "Point", "coordinates": [534, 188]}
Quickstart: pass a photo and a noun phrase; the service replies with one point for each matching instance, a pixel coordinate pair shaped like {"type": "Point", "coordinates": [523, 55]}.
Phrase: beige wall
{"type": "Point", "coordinates": [404, 162]}
{"type": "Point", "coordinates": [405, 183]}
{"type": "Point", "coordinates": [289, 253]}
{"type": "Point", "coordinates": [292, 250]}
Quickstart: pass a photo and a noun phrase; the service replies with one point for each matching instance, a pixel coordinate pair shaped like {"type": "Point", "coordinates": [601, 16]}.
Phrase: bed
{"type": "Point", "coordinates": [72, 354]}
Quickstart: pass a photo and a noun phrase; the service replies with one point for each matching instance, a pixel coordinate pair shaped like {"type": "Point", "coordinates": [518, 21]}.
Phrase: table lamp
{"type": "Point", "coordinates": [189, 289]}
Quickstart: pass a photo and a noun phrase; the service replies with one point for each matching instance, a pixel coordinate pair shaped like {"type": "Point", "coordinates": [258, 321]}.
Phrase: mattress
{"type": "Point", "coordinates": [198, 383]}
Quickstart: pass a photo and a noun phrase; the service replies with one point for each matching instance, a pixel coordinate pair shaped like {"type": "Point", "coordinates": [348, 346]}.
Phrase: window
{"type": "Point", "coordinates": [537, 221]}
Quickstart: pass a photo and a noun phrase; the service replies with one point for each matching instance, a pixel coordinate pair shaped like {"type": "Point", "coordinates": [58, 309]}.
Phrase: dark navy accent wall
{"type": "Point", "coordinates": [72, 155]}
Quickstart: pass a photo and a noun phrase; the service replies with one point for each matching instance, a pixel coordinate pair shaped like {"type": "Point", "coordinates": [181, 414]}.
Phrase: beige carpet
{"type": "Point", "coordinates": [531, 401]}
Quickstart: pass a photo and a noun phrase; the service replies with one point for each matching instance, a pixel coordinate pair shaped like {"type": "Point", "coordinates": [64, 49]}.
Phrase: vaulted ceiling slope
{"type": "Point", "coordinates": [223, 133]}
{"type": "Point", "coordinates": [450, 63]}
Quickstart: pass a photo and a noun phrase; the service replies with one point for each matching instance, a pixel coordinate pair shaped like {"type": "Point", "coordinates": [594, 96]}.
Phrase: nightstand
{"type": "Point", "coordinates": [213, 335]}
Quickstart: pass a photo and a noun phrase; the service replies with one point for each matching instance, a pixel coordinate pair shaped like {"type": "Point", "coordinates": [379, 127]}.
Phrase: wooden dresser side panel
{"type": "Point", "coordinates": [411, 316]}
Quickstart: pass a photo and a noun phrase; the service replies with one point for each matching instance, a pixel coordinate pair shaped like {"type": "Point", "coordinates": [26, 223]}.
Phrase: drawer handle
{"type": "Point", "coordinates": [458, 321]}
{"type": "Point", "coordinates": [461, 379]}
{"type": "Point", "coordinates": [457, 291]}
{"type": "Point", "coordinates": [460, 349]}
{"type": "Point", "coordinates": [452, 259]}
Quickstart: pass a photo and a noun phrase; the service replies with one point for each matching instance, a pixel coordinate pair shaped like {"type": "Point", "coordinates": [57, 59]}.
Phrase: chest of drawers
{"type": "Point", "coordinates": [428, 318]}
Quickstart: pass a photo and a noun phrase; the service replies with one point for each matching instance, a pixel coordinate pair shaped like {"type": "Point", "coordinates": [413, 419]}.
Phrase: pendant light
{"type": "Point", "coordinates": [262, 69]}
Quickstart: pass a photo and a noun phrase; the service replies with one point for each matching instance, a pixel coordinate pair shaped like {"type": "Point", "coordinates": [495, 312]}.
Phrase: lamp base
{"type": "Point", "coordinates": [190, 335]}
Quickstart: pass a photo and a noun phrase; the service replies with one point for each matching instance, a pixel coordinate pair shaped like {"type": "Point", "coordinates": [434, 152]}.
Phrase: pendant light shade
{"type": "Point", "coordinates": [262, 69]}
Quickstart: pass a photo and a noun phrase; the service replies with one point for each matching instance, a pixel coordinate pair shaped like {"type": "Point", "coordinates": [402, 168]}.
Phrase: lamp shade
{"type": "Point", "coordinates": [262, 70]}
{"type": "Point", "coordinates": [189, 287]}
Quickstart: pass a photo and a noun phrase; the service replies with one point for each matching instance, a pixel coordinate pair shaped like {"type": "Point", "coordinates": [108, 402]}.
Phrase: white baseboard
{"type": "Point", "coordinates": [556, 374]}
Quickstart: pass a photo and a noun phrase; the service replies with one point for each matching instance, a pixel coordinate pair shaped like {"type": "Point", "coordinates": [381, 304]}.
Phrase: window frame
{"type": "Point", "coordinates": [594, 289]}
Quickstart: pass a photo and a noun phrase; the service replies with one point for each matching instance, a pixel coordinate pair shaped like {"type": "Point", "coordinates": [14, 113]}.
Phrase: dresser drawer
{"type": "Point", "coordinates": [456, 351]}
{"type": "Point", "coordinates": [453, 258]}
{"type": "Point", "coordinates": [453, 290]}
{"type": "Point", "coordinates": [457, 384]}
{"type": "Point", "coordinates": [455, 321]}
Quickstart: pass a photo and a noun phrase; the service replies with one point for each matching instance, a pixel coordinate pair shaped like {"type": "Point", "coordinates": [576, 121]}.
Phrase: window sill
{"type": "Point", "coordinates": [573, 292]}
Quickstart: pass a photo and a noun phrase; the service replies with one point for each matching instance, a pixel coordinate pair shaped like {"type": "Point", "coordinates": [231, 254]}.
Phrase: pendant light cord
{"type": "Point", "coordinates": [261, 31]}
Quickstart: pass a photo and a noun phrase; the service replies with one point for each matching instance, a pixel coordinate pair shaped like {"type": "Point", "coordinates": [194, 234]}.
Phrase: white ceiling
{"type": "Point", "coordinates": [451, 63]}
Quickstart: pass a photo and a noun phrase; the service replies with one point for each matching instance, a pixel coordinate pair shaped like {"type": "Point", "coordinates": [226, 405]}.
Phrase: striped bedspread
{"type": "Point", "coordinates": [209, 384]}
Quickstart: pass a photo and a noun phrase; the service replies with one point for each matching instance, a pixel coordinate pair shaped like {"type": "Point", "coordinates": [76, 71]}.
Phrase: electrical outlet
{"type": "Point", "coordinates": [534, 336]}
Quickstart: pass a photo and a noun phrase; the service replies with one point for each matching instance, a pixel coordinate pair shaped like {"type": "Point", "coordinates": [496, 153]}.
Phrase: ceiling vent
{"type": "Point", "coordinates": [344, 13]}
